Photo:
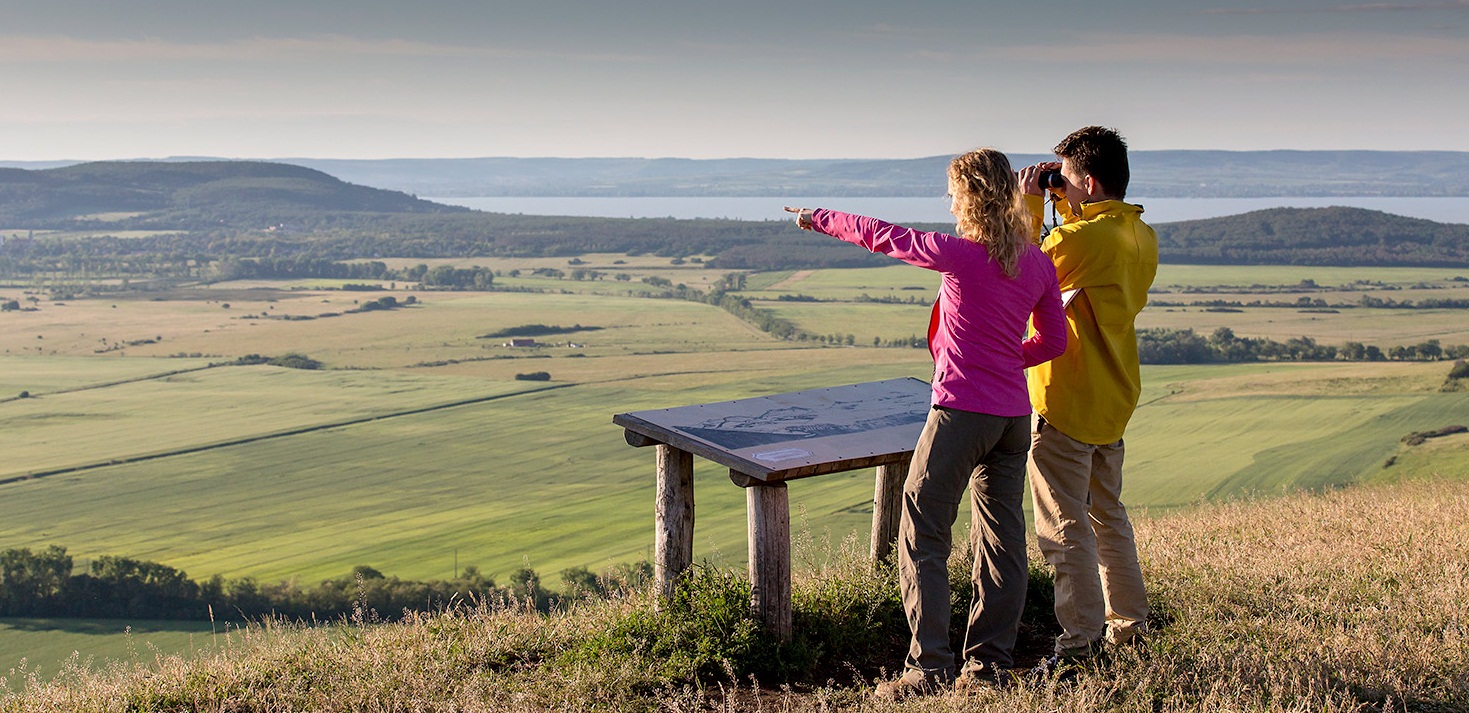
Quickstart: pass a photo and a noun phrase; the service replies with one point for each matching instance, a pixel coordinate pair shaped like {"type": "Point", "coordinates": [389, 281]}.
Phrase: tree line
{"type": "Point", "coordinates": [43, 584]}
{"type": "Point", "coordinates": [1307, 302]}
{"type": "Point", "coordinates": [734, 245]}
{"type": "Point", "coordinates": [1185, 346]}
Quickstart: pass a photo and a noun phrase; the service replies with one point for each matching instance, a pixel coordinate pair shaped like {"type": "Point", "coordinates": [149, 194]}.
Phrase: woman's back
{"type": "Point", "coordinates": [978, 338]}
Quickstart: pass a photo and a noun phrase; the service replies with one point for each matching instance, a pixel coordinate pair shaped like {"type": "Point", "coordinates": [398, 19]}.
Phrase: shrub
{"type": "Point", "coordinates": [847, 618]}
{"type": "Point", "coordinates": [1460, 370]}
{"type": "Point", "coordinates": [705, 629]}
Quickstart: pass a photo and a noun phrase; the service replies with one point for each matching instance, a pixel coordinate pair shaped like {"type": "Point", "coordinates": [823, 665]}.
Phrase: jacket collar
{"type": "Point", "coordinates": [1090, 211]}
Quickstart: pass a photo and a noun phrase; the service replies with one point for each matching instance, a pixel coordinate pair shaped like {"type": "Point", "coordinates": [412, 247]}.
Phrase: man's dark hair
{"type": "Point", "coordinates": [1101, 153]}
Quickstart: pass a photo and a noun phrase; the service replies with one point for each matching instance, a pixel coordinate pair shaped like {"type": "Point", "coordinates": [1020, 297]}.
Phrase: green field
{"type": "Point", "coordinates": [544, 478]}
{"type": "Point", "coordinates": [419, 448]}
{"type": "Point", "coordinates": [44, 646]}
{"type": "Point", "coordinates": [838, 311]}
{"type": "Point", "coordinates": [901, 281]}
{"type": "Point", "coordinates": [1245, 430]}
{"type": "Point", "coordinates": [161, 416]}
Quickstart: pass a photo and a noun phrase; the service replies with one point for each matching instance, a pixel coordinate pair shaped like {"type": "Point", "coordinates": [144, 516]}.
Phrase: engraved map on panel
{"type": "Point", "coordinates": [807, 427]}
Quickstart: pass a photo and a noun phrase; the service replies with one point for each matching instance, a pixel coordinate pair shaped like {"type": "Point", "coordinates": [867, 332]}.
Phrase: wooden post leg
{"type": "Point", "coordinates": [673, 541]}
{"type": "Point", "coordinates": [887, 507]}
{"type": "Point", "coordinates": [770, 556]}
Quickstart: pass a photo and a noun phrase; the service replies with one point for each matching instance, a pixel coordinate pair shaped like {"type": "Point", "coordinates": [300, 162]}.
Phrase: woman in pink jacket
{"type": "Point", "coordinates": [995, 284]}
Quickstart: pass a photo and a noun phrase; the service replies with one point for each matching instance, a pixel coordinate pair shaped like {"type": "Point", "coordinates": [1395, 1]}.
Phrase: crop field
{"type": "Point", "coordinates": [1246, 430]}
{"type": "Point", "coordinates": [897, 281]}
{"type": "Point", "coordinates": [864, 321]}
{"type": "Point", "coordinates": [542, 477]}
{"type": "Point", "coordinates": [161, 416]}
{"type": "Point", "coordinates": [43, 644]}
{"type": "Point", "coordinates": [842, 309]}
{"type": "Point", "coordinates": [416, 449]}
{"type": "Point", "coordinates": [419, 441]}
{"type": "Point", "coordinates": [58, 373]}
{"type": "Point", "coordinates": [443, 326]}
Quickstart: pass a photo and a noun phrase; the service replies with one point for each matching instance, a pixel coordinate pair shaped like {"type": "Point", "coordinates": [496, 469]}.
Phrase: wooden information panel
{"type": "Point", "coordinates": [765, 441]}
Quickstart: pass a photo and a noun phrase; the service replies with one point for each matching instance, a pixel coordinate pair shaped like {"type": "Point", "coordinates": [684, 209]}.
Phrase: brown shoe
{"type": "Point", "coordinates": [912, 684]}
{"type": "Point", "coordinates": [983, 677]}
{"type": "Point", "coordinates": [1131, 636]}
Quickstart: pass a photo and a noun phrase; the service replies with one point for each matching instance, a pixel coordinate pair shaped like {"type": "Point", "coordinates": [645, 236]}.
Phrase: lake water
{"type": "Point", "coordinates": [929, 210]}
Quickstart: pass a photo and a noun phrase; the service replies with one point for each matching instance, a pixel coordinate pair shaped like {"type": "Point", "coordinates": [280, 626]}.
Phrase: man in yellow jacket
{"type": "Point", "coordinates": [1106, 258]}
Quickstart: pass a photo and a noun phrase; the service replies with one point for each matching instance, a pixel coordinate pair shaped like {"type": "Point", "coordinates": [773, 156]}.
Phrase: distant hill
{"type": "Point", "coordinates": [176, 192]}
{"type": "Point", "coordinates": [1315, 236]}
{"type": "Point", "coordinates": [257, 209]}
{"type": "Point", "coordinates": [1155, 174]}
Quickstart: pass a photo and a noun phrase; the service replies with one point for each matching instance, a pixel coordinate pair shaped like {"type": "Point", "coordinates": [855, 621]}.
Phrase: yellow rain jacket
{"type": "Point", "coordinates": [1111, 255]}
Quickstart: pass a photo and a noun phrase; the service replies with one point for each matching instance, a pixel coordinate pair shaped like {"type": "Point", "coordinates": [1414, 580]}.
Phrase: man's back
{"type": "Point", "coordinates": [1111, 256]}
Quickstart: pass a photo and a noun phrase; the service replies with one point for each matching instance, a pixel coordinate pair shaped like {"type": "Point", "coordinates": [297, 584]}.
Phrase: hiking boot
{"type": "Point", "coordinates": [1117, 639]}
{"type": "Point", "coordinates": [1053, 668]}
{"type": "Point", "coordinates": [912, 684]}
{"type": "Point", "coordinates": [1061, 666]}
{"type": "Point", "coordinates": [1133, 635]}
{"type": "Point", "coordinates": [983, 677]}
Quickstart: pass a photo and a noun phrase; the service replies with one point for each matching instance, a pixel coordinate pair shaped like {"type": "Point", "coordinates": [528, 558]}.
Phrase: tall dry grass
{"type": "Point", "coordinates": [1355, 600]}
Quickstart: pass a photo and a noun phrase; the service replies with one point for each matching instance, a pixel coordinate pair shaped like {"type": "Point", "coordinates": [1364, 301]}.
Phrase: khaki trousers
{"type": "Point", "coordinates": [1083, 531]}
{"type": "Point", "coordinates": [987, 454]}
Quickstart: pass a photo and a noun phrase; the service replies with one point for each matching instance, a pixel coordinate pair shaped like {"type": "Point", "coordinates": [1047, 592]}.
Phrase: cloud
{"type": "Point", "coordinates": [61, 49]}
{"type": "Point", "coordinates": [1368, 7]}
{"type": "Point", "coordinates": [1163, 51]}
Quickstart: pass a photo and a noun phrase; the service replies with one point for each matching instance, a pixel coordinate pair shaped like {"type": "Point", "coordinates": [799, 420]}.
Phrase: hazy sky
{"type": "Point", "coordinates": [93, 79]}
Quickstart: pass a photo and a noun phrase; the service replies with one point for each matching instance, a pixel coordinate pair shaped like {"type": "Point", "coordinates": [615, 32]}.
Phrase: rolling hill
{"type": "Point", "coordinates": [1315, 236]}
{"type": "Point", "coordinates": [71, 193]}
{"type": "Point", "coordinates": [1155, 174]}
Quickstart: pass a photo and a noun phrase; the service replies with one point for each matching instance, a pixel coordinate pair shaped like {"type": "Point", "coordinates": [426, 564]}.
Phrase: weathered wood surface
{"type": "Point", "coordinates": [770, 556]}
{"type": "Point", "coordinates": [795, 435]}
{"type": "Point", "coordinates": [887, 507]}
{"type": "Point", "coordinates": [673, 540]}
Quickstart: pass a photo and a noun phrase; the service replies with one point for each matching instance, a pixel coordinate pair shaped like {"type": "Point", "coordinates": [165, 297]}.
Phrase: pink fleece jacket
{"type": "Point", "coordinates": [979, 346]}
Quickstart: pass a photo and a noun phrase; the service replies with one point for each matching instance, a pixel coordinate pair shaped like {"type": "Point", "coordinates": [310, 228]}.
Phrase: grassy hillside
{"type": "Point", "coordinates": [1272, 606]}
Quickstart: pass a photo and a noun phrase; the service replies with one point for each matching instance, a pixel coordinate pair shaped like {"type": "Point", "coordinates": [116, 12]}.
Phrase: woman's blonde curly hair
{"type": "Point", "coordinates": [988, 206]}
